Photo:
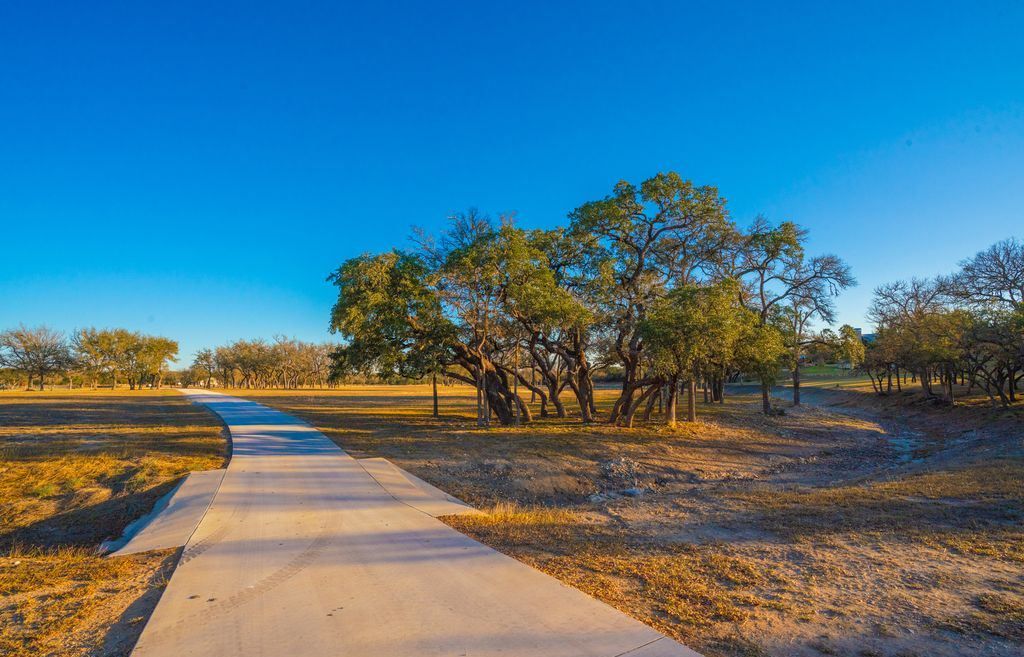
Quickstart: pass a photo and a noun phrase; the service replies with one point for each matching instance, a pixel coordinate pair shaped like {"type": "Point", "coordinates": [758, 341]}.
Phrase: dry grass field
{"type": "Point", "coordinates": [75, 468]}
{"type": "Point", "coordinates": [852, 526]}
{"type": "Point", "coordinates": [846, 527]}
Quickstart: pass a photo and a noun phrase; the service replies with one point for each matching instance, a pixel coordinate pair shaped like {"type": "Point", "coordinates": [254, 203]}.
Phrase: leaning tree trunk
{"type": "Point", "coordinates": [583, 387]}
{"type": "Point", "coordinates": [535, 391]}
{"type": "Point", "coordinates": [651, 401]}
{"type": "Point", "coordinates": [670, 404]}
{"type": "Point", "coordinates": [625, 400]}
{"type": "Point", "coordinates": [587, 406]}
{"type": "Point", "coordinates": [630, 358]}
{"type": "Point", "coordinates": [649, 393]}
{"type": "Point", "coordinates": [549, 375]}
{"type": "Point", "coordinates": [500, 404]}
{"type": "Point", "coordinates": [583, 381]}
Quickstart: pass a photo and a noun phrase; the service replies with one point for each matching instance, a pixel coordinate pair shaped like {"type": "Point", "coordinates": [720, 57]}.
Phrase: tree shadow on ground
{"type": "Point", "coordinates": [88, 525]}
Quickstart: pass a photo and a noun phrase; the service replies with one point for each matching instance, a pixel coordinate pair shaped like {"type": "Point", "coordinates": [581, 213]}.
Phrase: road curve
{"type": "Point", "coordinates": [302, 553]}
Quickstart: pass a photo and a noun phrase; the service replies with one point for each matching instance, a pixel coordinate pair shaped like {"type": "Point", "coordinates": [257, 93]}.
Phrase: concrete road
{"type": "Point", "coordinates": [302, 553]}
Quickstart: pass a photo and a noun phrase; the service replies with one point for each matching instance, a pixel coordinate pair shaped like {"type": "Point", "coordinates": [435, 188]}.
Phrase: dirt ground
{"type": "Point", "coordinates": [849, 526]}
{"type": "Point", "coordinates": [75, 468]}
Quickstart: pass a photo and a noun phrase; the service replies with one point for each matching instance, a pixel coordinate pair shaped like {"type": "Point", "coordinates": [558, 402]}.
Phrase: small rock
{"type": "Point", "coordinates": [633, 492]}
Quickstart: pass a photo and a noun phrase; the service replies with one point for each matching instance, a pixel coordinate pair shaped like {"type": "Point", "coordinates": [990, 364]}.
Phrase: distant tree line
{"type": "Point", "coordinates": [282, 363]}
{"type": "Point", "coordinates": [654, 282]}
{"type": "Point", "coordinates": [92, 355]}
{"type": "Point", "coordinates": [966, 328]}
{"type": "Point", "coordinates": [112, 357]}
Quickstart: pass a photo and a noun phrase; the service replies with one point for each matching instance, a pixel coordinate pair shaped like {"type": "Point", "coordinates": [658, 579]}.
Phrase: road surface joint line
{"type": "Point", "coordinates": [641, 646]}
{"type": "Point", "coordinates": [208, 506]}
{"type": "Point", "coordinates": [390, 494]}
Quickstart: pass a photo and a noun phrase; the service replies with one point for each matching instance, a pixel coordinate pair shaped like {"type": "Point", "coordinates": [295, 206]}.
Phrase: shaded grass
{"type": "Point", "coordinates": [75, 468]}
{"type": "Point", "coordinates": [998, 614]}
{"type": "Point", "coordinates": [975, 508]}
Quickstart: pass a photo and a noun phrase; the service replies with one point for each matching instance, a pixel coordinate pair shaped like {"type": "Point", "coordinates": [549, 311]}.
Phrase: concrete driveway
{"type": "Point", "coordinates": [302, 553]}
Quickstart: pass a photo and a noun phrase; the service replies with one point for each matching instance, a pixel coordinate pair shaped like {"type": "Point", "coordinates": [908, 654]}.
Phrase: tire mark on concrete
{"type": "Point", "coordinates": [294, 566]}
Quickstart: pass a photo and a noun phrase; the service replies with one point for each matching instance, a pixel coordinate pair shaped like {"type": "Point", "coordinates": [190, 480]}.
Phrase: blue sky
{"type": "Point", "coordinates": [197, 171]}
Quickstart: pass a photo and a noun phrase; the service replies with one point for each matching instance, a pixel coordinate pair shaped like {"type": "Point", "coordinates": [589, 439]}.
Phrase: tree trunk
{"type": "Point", "coordinates": [649, 393]}
{"type": "Point", "coordinates": [629, 385]}
{"type": "Point", "coordinates": [480, 422]}
{"type": "Point", "coordinates": [926, 383]}
{"type": "Point", "coordinates": [691, 400]}
{"type": "Point", "coordinates": [433, 382]}
{"type": "Point", "coordinates": [766, 397]}
{"type": "Point", "coordinates": [584, 390]}
{"type": "Point", "coordinates": [796, 384]}
{"type": "Point", "coordinates": [651, 401]}
{"type": "Point", "coordinates": [550, 377]}
{"type": "Point", "coordinates": [670, 405]}
{"type": "Point", "coordinates": [624, 402]}
{"type": "Point", "coordinates": [515, 386]}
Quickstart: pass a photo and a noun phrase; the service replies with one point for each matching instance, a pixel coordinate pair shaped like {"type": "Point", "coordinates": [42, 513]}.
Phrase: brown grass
{"type": "Point", "coordinates": [75, 468]}
{"type": "Point", "coordinates": [805, 534]}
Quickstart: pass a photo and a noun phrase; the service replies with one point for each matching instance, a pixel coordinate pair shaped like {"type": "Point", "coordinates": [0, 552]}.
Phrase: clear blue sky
{"type": "Point", "coordinates": [197, 171]}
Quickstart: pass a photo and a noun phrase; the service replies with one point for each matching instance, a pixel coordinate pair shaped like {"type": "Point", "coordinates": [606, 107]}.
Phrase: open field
{"type": "Point", "coordinates": [905, 392]}
{"type": "Point", "coordinates": [75, 468]}
{"type": "Point", "coordinates": [865, 529]}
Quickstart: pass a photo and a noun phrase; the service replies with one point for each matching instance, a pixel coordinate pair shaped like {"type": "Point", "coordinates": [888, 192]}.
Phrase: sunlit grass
{"type": "Point", "coordinates": [678, 588]}
{"type": "Point", "coordinates": [511, 513]}
{"type": "Point", "coordinates": [62, 601]}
